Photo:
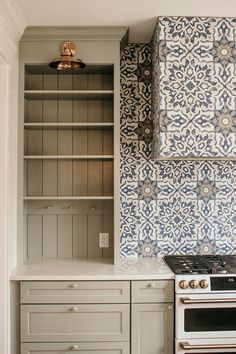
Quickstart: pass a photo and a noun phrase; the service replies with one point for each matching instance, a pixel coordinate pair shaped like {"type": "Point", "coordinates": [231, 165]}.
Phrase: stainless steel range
{"type": "Point", "coordinates": [205, 296]}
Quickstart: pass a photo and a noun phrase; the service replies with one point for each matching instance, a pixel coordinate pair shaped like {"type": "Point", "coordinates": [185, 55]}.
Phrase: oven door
{"type": "Point", "coordinates": [206, 316]}
{"type": "Point", "coordinates": [205, 346]}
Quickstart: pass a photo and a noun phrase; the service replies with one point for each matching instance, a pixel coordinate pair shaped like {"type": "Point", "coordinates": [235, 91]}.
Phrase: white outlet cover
{"type": "Point", "coordinates": [103, 239]}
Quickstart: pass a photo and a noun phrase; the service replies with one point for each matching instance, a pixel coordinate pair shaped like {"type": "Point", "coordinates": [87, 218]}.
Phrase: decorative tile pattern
{"type": "Point", "coordinates": [168, 207]}
{"type": "Point", "coordinates": [194, 87]}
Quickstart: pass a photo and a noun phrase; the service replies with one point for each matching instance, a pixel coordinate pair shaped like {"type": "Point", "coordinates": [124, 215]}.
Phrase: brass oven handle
{"type": "Point", "coordinates": [188, 301]}
{"type": "Point", "coordinates": [188, 346]}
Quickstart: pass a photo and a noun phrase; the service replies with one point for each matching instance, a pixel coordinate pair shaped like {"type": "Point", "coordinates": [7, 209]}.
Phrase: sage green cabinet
{"type": "Point", "coordinates": [67, 292]}
{"type": "Point", "coordinates": [152, 328]}
{"type": "Point", "coordinates": [65, 323]}
{"type": "Point", "coordinates": [152, 317]}
{"type": "Point", "coordinates": [80, 348]}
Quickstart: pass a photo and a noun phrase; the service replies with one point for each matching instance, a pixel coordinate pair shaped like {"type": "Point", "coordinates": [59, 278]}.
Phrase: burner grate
{"type": "Point", "coordinates": [207, 264]}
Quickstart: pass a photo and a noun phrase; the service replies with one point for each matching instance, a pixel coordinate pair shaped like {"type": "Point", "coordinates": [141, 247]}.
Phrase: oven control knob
{"type": "Point", "coordinates": [203, 284]}
{"type": "Point", "coordinates": [193, 284]}
{"type": "Point", "coordinates": [183, 284]}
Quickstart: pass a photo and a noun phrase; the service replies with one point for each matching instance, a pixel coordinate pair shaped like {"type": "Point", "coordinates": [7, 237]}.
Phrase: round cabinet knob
{"type": "Point", "coordinates": [183, 284]}
{"type": "Point", "coordinates": [75, 286]}
{"type": "Point", "coordinates": [153, 285]}
{"type": "Point", "coordinates": [75, 309]}
{"type": "Point", "coordinates": [75, 347]}
{"type": "Point", "coordinates": [203, 284]}
{"type": "Point", "coordinates": [193, 284]}
{"type": "Point", "coordinates": [169, 307]}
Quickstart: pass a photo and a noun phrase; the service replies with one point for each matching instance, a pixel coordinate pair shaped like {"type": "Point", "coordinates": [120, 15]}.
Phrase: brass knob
{"type": "Point", "coordinates": [153, 285]}
{"type": "Point", "coordinates": [75, 309]}
{"type": "Point", "coordinates": [75, 347]}
{"type": "Point", "coordinates": [193, 284]}
{"type": "Point", "coordinates": [183, 284]}
{"type": "Point", "coordinates": [75, 286]}
{"type": "Point", "coordinates": [203, 284]}
{"type": "Point", "coordinates": [169, 307]}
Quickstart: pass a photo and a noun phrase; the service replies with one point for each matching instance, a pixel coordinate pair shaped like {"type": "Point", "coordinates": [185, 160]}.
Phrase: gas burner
{"type": "Point", "coordinates": [209, 264]}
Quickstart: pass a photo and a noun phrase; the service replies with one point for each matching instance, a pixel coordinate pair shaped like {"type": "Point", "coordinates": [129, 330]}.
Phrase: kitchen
{"type": "Point", "coordinates": [161, 116]}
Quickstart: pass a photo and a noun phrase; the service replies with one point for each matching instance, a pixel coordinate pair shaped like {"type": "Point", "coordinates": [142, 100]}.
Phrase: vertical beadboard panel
{"type": "Point", "coordinates": [65, 82]}
{"type": "Point", "coordinates": [107, 142]}
{"type": "Point", "coordinates": [95, 111]}
{"type": "Point", "coordinates": [94, 227]}
{"type": "Point", "coordinates": [94, 178]}
{"type": "Point", "coordinates": [108, 226]}
{"type": "Point", "coordinates": [108, 178]}
{"type": "Point", "coordinates": [65, 236]}
{"type": "Point", "coordinates": [49, 236]}
{"type": "Point", "coordinates": [34, 82]}
{"type": "Point", "coordinates": [34, 142]}
{"type": "Point", "coordinates": [50, 111]}
{"type": "Point", "coordinates": [50, 82]}
{"type": "Point", "coordinates": [108, 82]}
{"type": "Point", "coordinates": [35, 240]}
{"type": "Point", "coordinates": [95, 82]}
{"type": "Point", "coordinates": [65, 111]}
{"type": "Point", "coordinates": [80, 239]}
{"type": "Point", "coordinates": [80, 111]}
{"type": "Point", "coordinates": [49, 142]}
{"type": "Point", "coordinates": [25, 187]}
{"type": "Point", "coordinates": [35, 178]}
{"type": "Point", "coordinates": [64, 142]}
{"type": "Point", "coordinates": [35, 111]}
{"type": "Point", "coordinates": [80, 178]}
{"type": "Point", "coordinates": [50, 178]}
{"type": "Point", "coordinates": [94, 142]}
{"type": "Point", "coordinates": [64, 178]}
{"type": "Point", "coordinates": [80, 82]}
{"type": "Point", "coordinates": [108, 111]}
{"type": "Point", "coordinates": [80, 142]}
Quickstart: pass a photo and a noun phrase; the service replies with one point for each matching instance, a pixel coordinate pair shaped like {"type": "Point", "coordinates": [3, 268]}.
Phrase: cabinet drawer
{"type": "Point", "coordinates": [81, 348]}
{"type": "Point", "coordinates": [66, 323]}
{"type": "Point", "coordinates": [75, 292]}
{"type": "Point", "coordinates": [153, 291]}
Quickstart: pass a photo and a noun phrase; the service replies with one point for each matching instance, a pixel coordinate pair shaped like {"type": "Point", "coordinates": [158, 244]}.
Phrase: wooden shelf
{"type": "Point", "coordinates": [68, 157]}
{"type": "Point", "coordinates": [70, 198]}
{"type": "Point", "coordinates": [68, 94]}
{"type": "Point", "coordinates": [38, 126]}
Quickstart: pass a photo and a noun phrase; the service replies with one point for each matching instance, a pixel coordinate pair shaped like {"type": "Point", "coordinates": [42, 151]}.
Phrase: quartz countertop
{"type": "Point", "coordinates": [93, 269]}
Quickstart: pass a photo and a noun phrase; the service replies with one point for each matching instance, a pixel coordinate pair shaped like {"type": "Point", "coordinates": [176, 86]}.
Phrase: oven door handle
{"type": "Point", "coordinates": [188, 301]}
{"type": "Point", "coordinates": [188, 346]}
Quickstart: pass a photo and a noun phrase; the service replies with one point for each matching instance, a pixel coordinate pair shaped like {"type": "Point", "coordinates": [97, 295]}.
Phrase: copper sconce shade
{"type": "Point", "coordinates": [67, 61]}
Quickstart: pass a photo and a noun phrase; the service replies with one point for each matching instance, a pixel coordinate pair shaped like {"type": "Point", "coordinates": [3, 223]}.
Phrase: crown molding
{"type": "Point", "coordinates": [12, 25]}
{"type": "Point", "coordinates": [51, 33]}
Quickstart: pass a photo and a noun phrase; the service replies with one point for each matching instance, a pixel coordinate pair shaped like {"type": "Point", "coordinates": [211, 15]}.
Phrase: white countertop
{"type": "Point", "coordinates": [93, 269]}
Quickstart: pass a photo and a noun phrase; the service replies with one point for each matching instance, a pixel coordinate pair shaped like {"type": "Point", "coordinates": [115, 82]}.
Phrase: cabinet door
{"type": "Point", "coordinates": [152, 329]}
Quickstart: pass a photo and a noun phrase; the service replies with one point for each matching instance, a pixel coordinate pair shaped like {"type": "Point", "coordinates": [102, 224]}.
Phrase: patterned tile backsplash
{"type": "Point", "coordinates": [167, 207]}
{"type": "Point", "coordinates": [195, 83]}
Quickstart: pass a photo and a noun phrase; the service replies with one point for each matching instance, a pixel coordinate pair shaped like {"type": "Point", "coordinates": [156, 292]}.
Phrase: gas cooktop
{"type": "Point", "coordinates": [208, 264]}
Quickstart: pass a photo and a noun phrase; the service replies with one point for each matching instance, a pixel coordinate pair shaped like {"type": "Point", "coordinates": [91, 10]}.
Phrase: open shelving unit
{"type": "Point", "coordinates": [68, 161]}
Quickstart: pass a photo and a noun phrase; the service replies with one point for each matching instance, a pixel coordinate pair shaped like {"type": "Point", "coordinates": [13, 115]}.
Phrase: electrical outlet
{"type": "Point", "coordinates": [103, 239]}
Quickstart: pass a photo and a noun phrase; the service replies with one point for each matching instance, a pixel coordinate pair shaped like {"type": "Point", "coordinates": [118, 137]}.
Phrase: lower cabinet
{"type": "Point", "coordinates": [80, 348]}
{"type": "Point", "coordinates": [152, 328]}
{"type": "Point", "coordinates": [64, 317]}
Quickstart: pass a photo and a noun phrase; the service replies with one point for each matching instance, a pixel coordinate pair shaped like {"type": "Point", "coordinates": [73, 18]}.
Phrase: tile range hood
{"type": "Point", "coordinates": [194, 88]}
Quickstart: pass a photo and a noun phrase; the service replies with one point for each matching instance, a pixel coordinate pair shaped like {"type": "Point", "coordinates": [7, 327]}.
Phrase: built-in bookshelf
{"type": "Point", "coordinates": [68, 161]}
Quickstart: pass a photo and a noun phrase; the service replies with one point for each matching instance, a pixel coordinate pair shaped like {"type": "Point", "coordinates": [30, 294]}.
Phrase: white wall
{"type": "Point", "coordinates": [11, 28]}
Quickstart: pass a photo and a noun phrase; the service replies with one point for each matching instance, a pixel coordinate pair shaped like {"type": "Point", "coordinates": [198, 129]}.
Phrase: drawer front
{"type": "Point", "coordinates": [75, 292]}
{"type": "Point", "coordinates": [66, 323]}
{"type": "Point", "coordinates": [81, 348]}
{"type": "Point", "coordinates": [153, 291]}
